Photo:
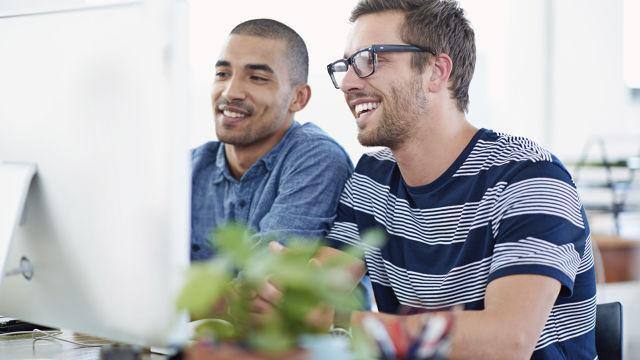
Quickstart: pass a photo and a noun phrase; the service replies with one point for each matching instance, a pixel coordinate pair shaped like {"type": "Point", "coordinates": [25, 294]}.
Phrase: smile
{"type": "Point", "coordinates": [232, 114]}
{"type": "Point", "coordinates": [365, 107]}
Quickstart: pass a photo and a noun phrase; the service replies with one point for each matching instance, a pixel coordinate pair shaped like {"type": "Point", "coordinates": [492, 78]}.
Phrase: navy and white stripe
{"type": "Point", "coordinates": [568, 321]}
{"type": "Point", "coordinates": [587, 258]}
{"type": "Point", "coordinates": [459, 286]}
{"type": "Point", "coordinates": [383, 154]}
{"type": "Point", "coordinates": [448, 224]}
{"type": "Point", "coordinates": [532, 251]}
{"type": "Point", "coordinates": [505, 207]}
{"type": "Point", "coordinates": [541, 196]}
{"type": "Point", "coordinates": [505, 149]}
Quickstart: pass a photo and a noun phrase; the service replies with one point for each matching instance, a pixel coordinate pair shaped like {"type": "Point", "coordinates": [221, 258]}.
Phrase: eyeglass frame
{"type": "Point", "coordinates": [374, 50]}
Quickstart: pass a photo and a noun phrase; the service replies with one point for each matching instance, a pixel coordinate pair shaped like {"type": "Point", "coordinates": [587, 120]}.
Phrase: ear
{"type": "Point", "coordinates": [440, 73]}
{"type": "Point", "coordinates": [301, 96]}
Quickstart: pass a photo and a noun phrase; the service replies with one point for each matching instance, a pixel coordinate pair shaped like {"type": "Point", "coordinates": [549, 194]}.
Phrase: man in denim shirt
{"type": "Point", "coordinates": [267, 171]}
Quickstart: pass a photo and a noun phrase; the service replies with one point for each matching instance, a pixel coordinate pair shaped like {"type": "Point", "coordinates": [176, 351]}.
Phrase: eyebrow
{"type": "Point", "coordinates": [261, 67]}
{"type": "Point", "coordinates": [346, 56]}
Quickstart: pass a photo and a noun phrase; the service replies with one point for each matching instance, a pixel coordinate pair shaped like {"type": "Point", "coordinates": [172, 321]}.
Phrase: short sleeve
{"type": "Point", "coordinates": [539, 225]}
{"type": "Point", "coordinates": [308, 192]}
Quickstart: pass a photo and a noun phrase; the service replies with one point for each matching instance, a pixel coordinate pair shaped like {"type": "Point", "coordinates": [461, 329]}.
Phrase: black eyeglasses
{"type": "Point", "coordinates": [364, 61]}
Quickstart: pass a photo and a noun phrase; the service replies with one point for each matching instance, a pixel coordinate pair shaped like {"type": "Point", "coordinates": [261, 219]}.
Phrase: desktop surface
{"type": "Point", "coordinates": [16, 347]}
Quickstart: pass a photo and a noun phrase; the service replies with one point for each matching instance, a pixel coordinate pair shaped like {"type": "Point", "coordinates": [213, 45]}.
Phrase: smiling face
{"type": "Point", "coordinates": [251, 92]}
{"type": "Point", "coordinates": [389, 103]}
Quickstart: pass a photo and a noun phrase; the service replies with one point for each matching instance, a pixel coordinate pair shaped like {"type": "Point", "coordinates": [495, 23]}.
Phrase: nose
{"type": "Point", "coordinates": [234, 89]}
{"type": "Point", "coordinates": [351, 81]}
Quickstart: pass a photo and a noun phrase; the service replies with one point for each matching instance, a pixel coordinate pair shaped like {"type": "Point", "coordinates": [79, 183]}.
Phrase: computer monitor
{"type": "Point", "coordinates": [96, 98]}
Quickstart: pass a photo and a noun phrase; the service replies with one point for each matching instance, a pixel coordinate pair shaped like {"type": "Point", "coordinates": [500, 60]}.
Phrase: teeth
{"type": "Point", "coordinates": [232, 114]}
{"type": "Point", "coordinates": [366, 106]}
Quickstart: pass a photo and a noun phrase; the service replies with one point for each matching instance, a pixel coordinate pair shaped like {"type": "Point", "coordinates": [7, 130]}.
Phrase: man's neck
{"type": "Point", "coordinates": [241, 158]}
{"type": "Point", "coordinates": [433, 148]}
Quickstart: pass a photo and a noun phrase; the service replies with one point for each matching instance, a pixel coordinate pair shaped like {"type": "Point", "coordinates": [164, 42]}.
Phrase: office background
{"type": "Point", "coordinates": [562, 72]}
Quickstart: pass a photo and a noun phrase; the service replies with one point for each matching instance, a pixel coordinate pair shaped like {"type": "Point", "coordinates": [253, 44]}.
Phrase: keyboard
{"type": "Point", "coordinates": [12, 325]}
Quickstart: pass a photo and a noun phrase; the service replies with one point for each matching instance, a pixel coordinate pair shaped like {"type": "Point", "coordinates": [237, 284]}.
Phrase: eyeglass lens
{"type": "Point", "coordinates": [362, 62]}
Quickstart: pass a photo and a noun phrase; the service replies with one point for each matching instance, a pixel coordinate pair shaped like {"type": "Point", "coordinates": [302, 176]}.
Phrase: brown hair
{"type": "Point", "coordinates": [439, 24]}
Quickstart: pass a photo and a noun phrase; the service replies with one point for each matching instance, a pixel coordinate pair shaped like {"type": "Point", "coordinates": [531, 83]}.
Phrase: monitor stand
{"type": "Point", "coordinates": [15, 179]}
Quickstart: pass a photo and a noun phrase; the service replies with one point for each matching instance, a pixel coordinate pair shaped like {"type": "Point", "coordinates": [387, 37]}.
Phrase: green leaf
{"type": "Point", "coordinates": [234, 242]}
{"type": "Point", "coordinates": [243, 264]}
{"type": "Point", "coordinates": [374, 237]}
{"type": "Point", "coordinates": [216, 328]}
{"type": "Point", "coordinates": [206, 285]}
{"type": "Point", "coordinates": [272, 341]}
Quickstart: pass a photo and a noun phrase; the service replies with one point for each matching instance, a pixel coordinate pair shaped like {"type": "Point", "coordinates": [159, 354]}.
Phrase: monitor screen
{"type": "Point", "coordinates": [97, 100]}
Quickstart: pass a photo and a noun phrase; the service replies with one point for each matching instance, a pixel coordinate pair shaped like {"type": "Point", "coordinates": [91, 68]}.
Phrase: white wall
{"type": "Point", "coordinates": [507, 91]}
{"type": "Point", "coordinates": [590, 97]}
{"type": "Point", "coordinates": [547, 69]}
{"type": "Point", "coordinates": [631, 43]}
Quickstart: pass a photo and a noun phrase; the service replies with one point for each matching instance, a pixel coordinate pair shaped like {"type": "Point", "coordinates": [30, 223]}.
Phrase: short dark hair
{"type": "Point", "coordinates": [439, 24]}
{"type": "Point", "coordinates": [297, 55]}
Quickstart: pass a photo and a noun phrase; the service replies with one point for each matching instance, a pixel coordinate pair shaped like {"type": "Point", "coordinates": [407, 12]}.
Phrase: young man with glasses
{"type": "Point", "coordinates": [485, 221]}
{"type": "Point", "coordinates": [266, 170]}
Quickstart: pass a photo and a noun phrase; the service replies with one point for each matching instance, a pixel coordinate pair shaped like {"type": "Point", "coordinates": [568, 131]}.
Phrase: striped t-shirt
{"type": "Point", "coordinates": [506, 206]}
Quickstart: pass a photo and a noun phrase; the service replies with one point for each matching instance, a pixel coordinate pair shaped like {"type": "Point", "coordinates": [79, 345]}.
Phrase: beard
{"type": "Point", "coordinates": [254, 129]}
{"type": "Point", "coordinates": [400, 112]}
{"type": "Point", "coordinates": [249, 134]}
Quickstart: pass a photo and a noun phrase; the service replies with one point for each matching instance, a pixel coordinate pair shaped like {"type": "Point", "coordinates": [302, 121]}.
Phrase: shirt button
{"type": "Point", "coordinates": [242, 203]}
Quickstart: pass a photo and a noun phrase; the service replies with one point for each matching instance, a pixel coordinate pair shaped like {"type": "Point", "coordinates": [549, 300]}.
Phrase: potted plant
{"type": "Point", "coordinates": [222, 290]}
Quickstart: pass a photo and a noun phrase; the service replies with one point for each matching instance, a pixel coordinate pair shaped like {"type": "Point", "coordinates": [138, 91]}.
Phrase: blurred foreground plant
{"type": "Point", "coordinates": [222, 288]}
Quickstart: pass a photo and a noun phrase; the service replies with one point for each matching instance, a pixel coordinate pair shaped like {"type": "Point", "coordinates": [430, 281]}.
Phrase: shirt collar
{"type": "Point", "coordinates": [222, 168]}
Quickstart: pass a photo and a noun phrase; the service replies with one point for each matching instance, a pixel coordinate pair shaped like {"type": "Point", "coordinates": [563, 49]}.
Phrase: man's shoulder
{"type": "Point", "coordinates": [507, 156]}
{"type": "Point", "coordinates": [309, 137]}
{"type": "Point", "coordinates": [310, 132]}
{"type": "Point", "coordinates": [380, 160]}
{"type": "Point", "coordinates": [205, 154]}
{"type": "Point", "coordinates": [375, 166]}
{"type": "Point", "coordinates": [503, 147]}
{"type": "Point", "coordinates": [210, 147]}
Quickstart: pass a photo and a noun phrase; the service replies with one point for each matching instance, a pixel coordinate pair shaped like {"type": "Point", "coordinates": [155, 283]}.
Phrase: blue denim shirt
{"type": "Point", "coordinates": [293, 190]}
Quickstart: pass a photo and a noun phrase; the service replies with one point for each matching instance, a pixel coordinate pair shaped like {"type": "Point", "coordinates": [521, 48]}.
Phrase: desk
{"type": "Point", "coordinates": [620, 258]}
{"type": "Point", "coordinates": [20, 347]}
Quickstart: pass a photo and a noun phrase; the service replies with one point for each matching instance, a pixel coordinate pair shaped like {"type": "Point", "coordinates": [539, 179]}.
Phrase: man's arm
{"type": "Point", "coordinates": [516, 310]}
{"type": "Point", "coordinates": [264, 301]}
{"type": "Point", "coordinates": [308, 193]}
{"type": "Point", "coordinates": [357, 268]}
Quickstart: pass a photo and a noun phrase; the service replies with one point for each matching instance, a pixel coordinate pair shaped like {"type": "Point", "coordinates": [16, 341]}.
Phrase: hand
{"type": "Point", "coordinates": [264, 301]}
{"type": "Point", "coordinates": [412, 324]}
{"type": "Point", "coordinates": [322, 317]}
{"type": "Point", "coordinates": [220, 308]}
